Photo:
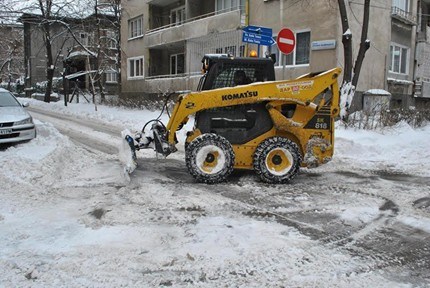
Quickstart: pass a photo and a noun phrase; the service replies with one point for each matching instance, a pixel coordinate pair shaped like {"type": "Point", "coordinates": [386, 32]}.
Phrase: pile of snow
{"type": "Point", "coordinates": [378, 92]}
{"type": "Point", "coordinates": [40, 160]}
{"type": "Point", "coordinates": [125, 118]}
{"type": "Point", "coordinates": [400, 148]}
{"type": "Point", "coordinates": [347, 92]}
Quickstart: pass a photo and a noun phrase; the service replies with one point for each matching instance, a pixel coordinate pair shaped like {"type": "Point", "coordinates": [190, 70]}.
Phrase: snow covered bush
{"type": "Point", "coordinates": [415, 117]}
{"type": "Point", "coordinates": [379, 118]}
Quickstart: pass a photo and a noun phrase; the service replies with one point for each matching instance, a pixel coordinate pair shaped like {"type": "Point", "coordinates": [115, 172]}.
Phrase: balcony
{"type": "Point", "coordinates": [403, 16]}
{"type": "Point", "coordinates": [203, 25]}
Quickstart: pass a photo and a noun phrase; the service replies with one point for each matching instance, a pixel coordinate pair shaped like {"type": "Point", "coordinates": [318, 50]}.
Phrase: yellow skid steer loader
{"type": "Point", "coordinates": [246, 120]}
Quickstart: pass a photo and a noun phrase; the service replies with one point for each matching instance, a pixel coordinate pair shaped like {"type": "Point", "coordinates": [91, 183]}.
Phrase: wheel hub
{"type": "Point", "coordinates": [210, 158]}
{"type": "Point", "coordinates": [279, 161]}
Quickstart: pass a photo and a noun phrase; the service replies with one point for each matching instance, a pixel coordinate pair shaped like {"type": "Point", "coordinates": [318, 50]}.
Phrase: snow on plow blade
{"type": "Point", "coordinates": [127, 152]}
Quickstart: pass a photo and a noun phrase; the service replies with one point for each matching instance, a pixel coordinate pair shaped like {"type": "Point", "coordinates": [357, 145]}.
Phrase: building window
{"type": "Point", "coordinates": [177, 64]}
{"type": "Point", "coordinates": [242, 51]}
{"type": "Point", "coordinates": [218, 50]}
{"type": "Point", "coordinates": [111, 75]}
{"type": "Point", "coordinates": [398, 59]}
{"type": "Point", "coordinates": [401, 4]}
{"type": "Point", "coordinates": [111, 39]}
{"type": "Point", "coordinates": [301, 53]}
{"type": "Point", "coordinates": [135, 27]}
{"type": "Point", "coordinates": [135, 67]}
{"type": "Point", "coordinates": [177, 16]}
{"type": "Point", "coordinates": [229, 5]}
{"type": "Point", "coordinates": [83, 38]}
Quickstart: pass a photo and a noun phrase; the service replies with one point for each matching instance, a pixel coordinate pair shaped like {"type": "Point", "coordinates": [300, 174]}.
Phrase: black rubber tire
{"type": "Point", "coordinates": [283, 145]}
{"type": "Point", "coordinates": [210, 142]}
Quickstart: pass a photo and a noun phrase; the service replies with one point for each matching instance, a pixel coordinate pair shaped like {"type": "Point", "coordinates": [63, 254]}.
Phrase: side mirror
{"type": "Point", "coordinates": [25, 104]}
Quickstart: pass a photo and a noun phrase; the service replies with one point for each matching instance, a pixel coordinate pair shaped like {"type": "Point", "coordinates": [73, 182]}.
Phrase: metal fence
{"type": "Point", "coordinates": [228, 42]}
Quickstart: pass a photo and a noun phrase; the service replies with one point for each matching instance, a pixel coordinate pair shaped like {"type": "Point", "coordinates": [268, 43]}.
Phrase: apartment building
{"type": "Point", "coordinates": [164, 41]}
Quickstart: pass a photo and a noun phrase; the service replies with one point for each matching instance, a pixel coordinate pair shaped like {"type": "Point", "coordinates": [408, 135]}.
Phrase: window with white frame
{"type": "Point", "coordinates": [135, 67]}
{"type": "Point", "coordinates": [135, 27]}
{"type": "Point", "coordinates": [111, 75]}
{"type": "Point", "coordinates": [229, 5]}
{"type": "Point", "coordinates": [401, 4]}
{"type": "Point", "coordinates": [177, 63]}
{"type": "Point", "coordinates": [301, 53]}
{"type": "Point", "coordinates": [177, 16]}
{"type": "Point", "coordinates": [399, 59]}
{"type": "Point", "coordinates": [111, 39]}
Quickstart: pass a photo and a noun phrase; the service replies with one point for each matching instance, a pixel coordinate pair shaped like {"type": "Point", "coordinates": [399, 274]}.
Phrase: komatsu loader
{"type": "Point", "coordinates": [246, 120]}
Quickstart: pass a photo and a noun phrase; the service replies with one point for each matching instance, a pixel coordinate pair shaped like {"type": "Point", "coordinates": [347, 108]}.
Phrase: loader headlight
{"type": "Point", "coordinates": [28, 120]}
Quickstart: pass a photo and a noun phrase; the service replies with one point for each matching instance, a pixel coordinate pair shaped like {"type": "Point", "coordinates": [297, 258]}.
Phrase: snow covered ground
{"type": "Point", "coordinates": [69, 218]}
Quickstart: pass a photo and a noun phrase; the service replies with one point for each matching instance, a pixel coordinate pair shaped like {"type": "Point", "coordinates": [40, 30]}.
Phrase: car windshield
{"type": "Point", "coordinates": [8, 100]}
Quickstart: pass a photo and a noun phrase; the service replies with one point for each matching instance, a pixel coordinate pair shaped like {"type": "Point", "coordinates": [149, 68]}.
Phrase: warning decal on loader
{"type": "Point", "coordinates": [295, 87]}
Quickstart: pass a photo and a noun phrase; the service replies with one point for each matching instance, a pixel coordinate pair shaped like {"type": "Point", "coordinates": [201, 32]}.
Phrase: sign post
{"type": "Point", "coordinates": [258, 35]}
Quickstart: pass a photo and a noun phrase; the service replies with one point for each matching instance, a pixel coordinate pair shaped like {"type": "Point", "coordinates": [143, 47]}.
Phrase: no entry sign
{"type": "Point", "coordinates": [286, 41]}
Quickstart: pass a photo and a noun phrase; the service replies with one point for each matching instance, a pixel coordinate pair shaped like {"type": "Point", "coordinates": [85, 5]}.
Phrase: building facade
{"type": "Point", "coordinates": [422, 68]}
{"type": "Point", "coordinates": [11, 50]}
{"type": "Point", "coordinates": [164, 40]}
{"type": "Point", "coordinates": [75, 48]}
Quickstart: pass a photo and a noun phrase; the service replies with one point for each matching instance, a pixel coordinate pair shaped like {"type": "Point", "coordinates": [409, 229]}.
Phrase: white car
{"type": "Point", "coordinates": [15, 123]}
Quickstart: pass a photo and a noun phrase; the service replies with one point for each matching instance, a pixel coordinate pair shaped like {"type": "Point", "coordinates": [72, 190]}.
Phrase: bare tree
{"type": "Point", "coordinates": [46, 15]}
{"type": "Point", "coordinates": [114, 6]}
{"type": "Point", "coordinates": [11, 45]}
{"type": "Point", "coordinates": [11, 51]}
{"type": "Point", "coordinates": [104, 24]}
{"type": "Point", "coordinates": [108, 15]}
{"type": "Point", "coordinates": [45, 7]}
{"type": "Point", "coordinates": [350, 79]}
{"type": "Point", "coordinates": [104, 36]}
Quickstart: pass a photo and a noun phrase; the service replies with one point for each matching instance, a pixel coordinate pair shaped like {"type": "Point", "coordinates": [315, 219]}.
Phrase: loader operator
{"type": "Point", "coordinates": [240, 78]}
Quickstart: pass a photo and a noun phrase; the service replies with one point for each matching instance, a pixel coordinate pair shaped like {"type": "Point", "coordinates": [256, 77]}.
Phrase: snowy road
{"type": "Point", "coordinates": [340, 225]}
{"type": "Point", "coordinates": [88, 133]}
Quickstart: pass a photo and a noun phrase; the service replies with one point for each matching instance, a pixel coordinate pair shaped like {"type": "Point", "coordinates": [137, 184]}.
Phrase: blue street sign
{"type": "Point", "coordinates": [258, 30]}
{"type": "Point", "coordinates": [254, 38]}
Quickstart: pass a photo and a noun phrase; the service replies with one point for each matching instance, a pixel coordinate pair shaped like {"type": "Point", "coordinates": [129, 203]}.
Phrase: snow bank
{"type": "Point", "coordinates": [377, 92]}
{"type": "Point", "coordinates": [41, 159]}
{"type": "Point", "coordinates": [124, 118]}
{"type": "Point", "coordinates": [400, 148]}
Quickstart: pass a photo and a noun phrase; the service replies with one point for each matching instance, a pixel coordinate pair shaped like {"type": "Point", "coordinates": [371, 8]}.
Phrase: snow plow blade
{"type": "Point", "coordinates": [127, 152]}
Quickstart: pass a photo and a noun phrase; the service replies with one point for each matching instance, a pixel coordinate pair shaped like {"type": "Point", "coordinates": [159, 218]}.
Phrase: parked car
{"type": "Point", "coordinates": [15, 123]}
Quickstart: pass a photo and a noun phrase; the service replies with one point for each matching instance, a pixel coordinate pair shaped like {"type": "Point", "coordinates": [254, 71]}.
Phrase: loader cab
{"type": "Point", "coordinates": [242, 123]}
{"type": "Point", "coordinates": [221, 70]}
